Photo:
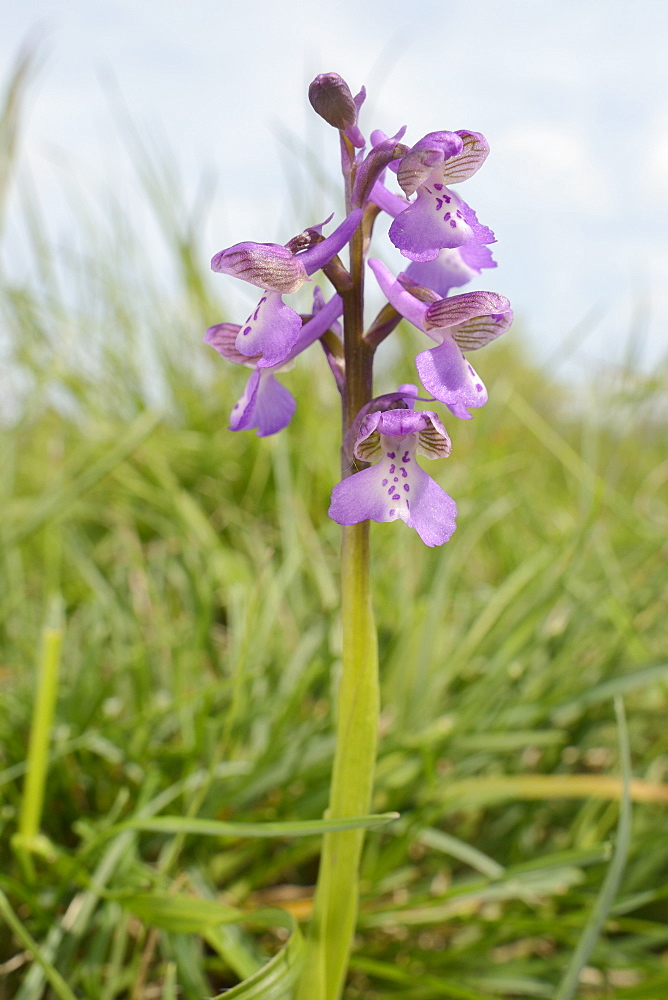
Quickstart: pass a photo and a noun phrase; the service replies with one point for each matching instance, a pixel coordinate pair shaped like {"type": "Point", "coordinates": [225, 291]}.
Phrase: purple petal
{"type": "Point", "coordinates": [266, 265]}
{"type": "Point", "coordinates": [405, 303]}
{"type": "Point", "coordinates": [222, 338]}
{"type": "Point", "coordinates": [373, 495]}
{"type": "Point", "coordinates": [374, 164]}
{"type": "Point", "coordinates": [476, 332]}
{"type": "Point", "coordinates": [437, 219]}
{"type": "Point", "coordinates": [459, 308]}
{"type": "Point", "coordinates": [324, 317]}
{"type": "Point", "coordinates": [451, 268]}
{"type": "Point", "coordinates": [433, 440]}
{"type": "Point", "coordinates": [271, 330]}
{"type": "Point", "coordinates": [391, 203]}
{"type": "Point", "coordinates": [264, 404]}
{"type": "Point", "coordinates": [447, 375]}
{"type": "Point", "coordinates": [425, 157]}
{"type": "Point", "coordinates": [432, 512]}
{"type": "Point", "coordinates": [481, 234]}
{"type": "Point", "coordinates": [477, 256]}
{"type": "Point", "coordinates": [400, 422]}
{"type": "Point", "coordinates": [468, 162]}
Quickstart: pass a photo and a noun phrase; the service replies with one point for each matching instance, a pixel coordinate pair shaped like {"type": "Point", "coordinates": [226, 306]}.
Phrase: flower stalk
{"type": "Point", "coordinates": [335, 905]}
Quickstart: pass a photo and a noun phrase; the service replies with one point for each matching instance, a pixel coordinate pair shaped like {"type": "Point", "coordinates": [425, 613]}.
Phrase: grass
{"type": "Point", "coordinates": [191, 576]}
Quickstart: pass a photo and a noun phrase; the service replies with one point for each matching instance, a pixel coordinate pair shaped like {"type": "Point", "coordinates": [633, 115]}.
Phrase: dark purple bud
{"type": "Point", "coordinates": [331, 98]}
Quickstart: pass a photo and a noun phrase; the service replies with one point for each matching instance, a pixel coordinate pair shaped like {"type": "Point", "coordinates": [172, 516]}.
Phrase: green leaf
{"type": "Point", "coordinates": [215, 828]}
{"type": "Point", "coordinates": [594, 926]}
{"type": "Point", "coordinates": [191, 915]}
{"type": "Point", "coordinates": [56, 981]}
{"type": "Point", "coordinates": [179, 914]}
{"type": "Point", "coordinates": [275, 980]}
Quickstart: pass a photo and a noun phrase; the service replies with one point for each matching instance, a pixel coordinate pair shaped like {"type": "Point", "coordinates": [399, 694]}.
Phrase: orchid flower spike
{"type": "Point", "coordinates": [438, 219]}
{"type": "Point", "coordinates": [273, 328]}
{"type": "Point", "coordinates": [265, 404]}
{"type": "Point", "coordinates": [462, 322]}
{"type": "Point", "coordinates": [396, 487]}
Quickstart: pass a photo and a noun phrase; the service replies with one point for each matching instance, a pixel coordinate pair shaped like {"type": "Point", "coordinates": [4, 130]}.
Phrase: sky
{"type": "Point", "coordinates": [571, 95]}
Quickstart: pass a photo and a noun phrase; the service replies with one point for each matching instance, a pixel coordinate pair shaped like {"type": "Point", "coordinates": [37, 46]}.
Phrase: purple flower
{"type": "Point", "coordinates": [265, 403]}
{"type": "Point", "coordinates": [271, 331]}
{"type": "Point", "coordinates": [396, 487]}
{"type": "Point", "coordinates": [459, 323]}
{"type": "Point", "coordinates": [452, 267]}
{"type": "Point", "coordinates": [438, 219]}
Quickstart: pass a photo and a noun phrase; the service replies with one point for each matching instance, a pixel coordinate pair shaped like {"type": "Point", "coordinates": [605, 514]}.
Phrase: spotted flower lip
{"type": "Point", "coordinates": [396, 487]}
{"type": "Point", "coordinates": [460, 323]}
{"type": "Point", "coordinates": [452, 266]}
{"type": "Point", "coordinates": [438, 219]}
{"type": "Point", "coordinates": [265, 404]}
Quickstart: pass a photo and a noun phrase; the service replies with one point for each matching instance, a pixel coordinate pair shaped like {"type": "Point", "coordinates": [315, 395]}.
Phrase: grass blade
{"type": "Point", "coordinates": [594, 925]}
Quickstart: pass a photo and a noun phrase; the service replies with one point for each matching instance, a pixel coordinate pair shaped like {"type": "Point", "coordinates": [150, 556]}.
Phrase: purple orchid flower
{"type": "Point", "coordinates": [271, 331]}
{"type": "Point", "coordinates": [396, 487]}
{"type": "Point", "coordinates": [462, 322]}
{"type": "Point", "coordinates": [265, 404]}
{"type": "Point", "coordinates": [452, 267]}
{"type": "Point", "coordinates": [438, 219]}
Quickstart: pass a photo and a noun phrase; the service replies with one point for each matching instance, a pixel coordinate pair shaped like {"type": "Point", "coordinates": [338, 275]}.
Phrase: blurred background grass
{"type": "Point", "coordinates": [196, 573]}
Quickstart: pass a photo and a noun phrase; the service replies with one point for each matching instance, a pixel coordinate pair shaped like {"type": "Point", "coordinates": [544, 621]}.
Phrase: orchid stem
{"type": "Point", "coordinates": [336, 898]}
{"type": "Point", "coordinates": [335, 907]}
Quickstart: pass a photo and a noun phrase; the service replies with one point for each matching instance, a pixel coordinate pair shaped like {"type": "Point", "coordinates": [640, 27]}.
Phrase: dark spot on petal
{"type": "Point", "coordinates": [439, 203]}
{"type": "Point", "coordinates": [439, 187]}
{"type": "Point", "coordinates": [246, 331]}
{"type": "Point", "coordinates": [453, 223]}
{"type": "Point", "coordinates": [396, 479]}
{"type": "Point", "coordinates": [407, 487]}
{"type": "Point", "coordinates": [392, 512]}
{"type": "Point", "coordinates": [478, 387]}
{"type": "Point", "coordinates": [390, 454]}
{"type": "Point", "coordinates": [392, 468]}
{"type": "Point", "coordinates": [384, 482]}
{"type": "Point", "coordinates": [396, 496]}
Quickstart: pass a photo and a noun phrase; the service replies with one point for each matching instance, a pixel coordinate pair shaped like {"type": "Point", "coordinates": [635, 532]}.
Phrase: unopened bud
{"type": "Point", "coordinates": [331, 98]}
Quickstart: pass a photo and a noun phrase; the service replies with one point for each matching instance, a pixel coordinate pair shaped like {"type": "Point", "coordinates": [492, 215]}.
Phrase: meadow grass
{"type": "Point", "coordinates": [172, 587]}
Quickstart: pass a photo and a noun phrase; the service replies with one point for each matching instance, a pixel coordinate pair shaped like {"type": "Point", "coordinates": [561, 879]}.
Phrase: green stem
{"type": "Point", "coordinates": [335, 907]}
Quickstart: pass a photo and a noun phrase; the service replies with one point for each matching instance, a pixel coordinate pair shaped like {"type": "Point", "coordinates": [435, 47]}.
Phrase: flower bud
{"type": "Point", "coordinates": [331, 98]}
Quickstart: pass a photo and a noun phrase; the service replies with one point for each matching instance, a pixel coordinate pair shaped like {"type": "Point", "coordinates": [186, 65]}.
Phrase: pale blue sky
{"type": "Point", "coordinates": [571, 95]}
